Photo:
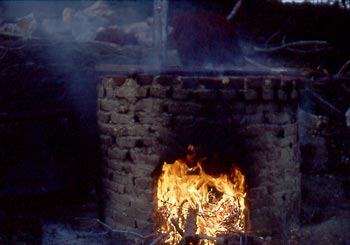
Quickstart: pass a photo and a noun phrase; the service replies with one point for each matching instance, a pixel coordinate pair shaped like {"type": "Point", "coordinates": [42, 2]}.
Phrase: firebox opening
{"type": "Point", "coordinates": [193, 201]}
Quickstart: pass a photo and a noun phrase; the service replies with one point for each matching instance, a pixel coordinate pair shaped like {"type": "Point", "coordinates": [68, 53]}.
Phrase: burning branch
{"type": "Point", "coordinates": [189, 236]}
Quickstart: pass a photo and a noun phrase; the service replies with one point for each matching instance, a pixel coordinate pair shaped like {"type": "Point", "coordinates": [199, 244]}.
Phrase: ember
{"type": "Point", "coordinates": [192, 203]}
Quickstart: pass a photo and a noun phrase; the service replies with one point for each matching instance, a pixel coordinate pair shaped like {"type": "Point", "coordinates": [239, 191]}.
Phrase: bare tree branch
{"type": "Point", "coordinates": [234, 10]}
{"type": "Point", "coordinates": [291, 45]}
{"type": "Point", "coordinates": [342, 69]}
{"type": "Point", "coordinates": [324, 102]}
{"type": "Point", "coordinates": [272, 37]}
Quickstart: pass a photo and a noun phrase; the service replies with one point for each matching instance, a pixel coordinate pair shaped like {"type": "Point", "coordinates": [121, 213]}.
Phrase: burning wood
{"type": "Point", "coordinates": [191, 202]}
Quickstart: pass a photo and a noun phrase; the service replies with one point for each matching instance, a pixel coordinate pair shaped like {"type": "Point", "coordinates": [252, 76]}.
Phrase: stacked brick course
{"type": "Point", "coordinates": [145, 120]}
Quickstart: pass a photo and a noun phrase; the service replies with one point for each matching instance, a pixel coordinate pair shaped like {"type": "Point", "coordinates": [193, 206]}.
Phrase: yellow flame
{"type": "Point", "coordinates": [218, 201]}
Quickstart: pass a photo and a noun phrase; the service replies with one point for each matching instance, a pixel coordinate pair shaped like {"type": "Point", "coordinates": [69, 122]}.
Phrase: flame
{"type": "Point", "coordinates": [216, 204]}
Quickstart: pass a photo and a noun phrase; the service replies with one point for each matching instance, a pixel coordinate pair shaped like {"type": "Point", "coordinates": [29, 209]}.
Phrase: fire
{"type": "Point", "coordinates": [190, 200]}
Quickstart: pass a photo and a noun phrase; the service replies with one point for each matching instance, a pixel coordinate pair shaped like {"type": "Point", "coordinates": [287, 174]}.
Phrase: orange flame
{"type": "Point", "coordinates": [218, 201]}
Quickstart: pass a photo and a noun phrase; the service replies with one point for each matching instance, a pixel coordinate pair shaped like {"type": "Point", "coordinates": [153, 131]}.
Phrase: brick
{"type": "Point", "coordinates": [206, 95]}
{"type": "Point", "coordinates": [149, 105]}
{"type": "Point", "coordinates": [189, 82]}
{"type": "Point", "coordinates": [254, 83]}
{"type": "Point", "coordinates": [128, 90]}
{"type": "Point", "coordinates": [131, 130]}
{"type": "Point", "coordinates": [106, 128]}
{"type": "Point", "coordinates": [121, 118]}
{"type": "Point", "coordinates": [294, 94]}
{"type": "Point", "coordinates": [108, 105]}
{"type": "Point", "coordinates": [110, 92]}
{"type": "Point", "coordinates": [101, 92]}
{"type": "Point", "coordinates": [250, 94]}
{"type": "Point", "coordinates": [106, 140]}
{"type": "Point", "coordinates": [290, 129]}
{"type": "Point", "coordinates": [119, 166]}
{"type": "Point", "coordinates": [103, 116]}
{"type": "Point", "coordinates": [144, 182]}
{"type": "Point", "coordinates": [185, 108]}
{"type": "Point", "coordinates": [184, 120]}
{"type": "Point", "coordinates": [268, 94]}
{"type": "Point", "coordinates": [228, 95]}
{"type": "Point", "coordinates": [236, 83]}
{"type": "Point", "coordinates": [211, 82]}
{"type": "Point", "coordinates": [117, 153]}
{"type": "Point", "coordinates": [180, 94]}
{"type": "Point", "coordinates": [144, 79]}
{"type": "Point", "coordinates": [127, 142]}
{"type": "Point", "coordinates": [165, 80]}
{"type": "Point", "coordinates": [257, 192]}
{"type": "Point", "coordinates": [158, 91]}
{"type": "Point", "coordinates": [282, 95]}
{"type": "Point", "coordinates": [266, 201]}
{"type": "Point", "coordinates": [144, 158]}
{"type": "Point", "coordinates": [279, 118]}
{"type": "Point", "coordinates": [163, 119]}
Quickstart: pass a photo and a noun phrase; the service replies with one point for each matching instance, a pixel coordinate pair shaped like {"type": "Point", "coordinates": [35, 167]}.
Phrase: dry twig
{"type": "Point", "coordinates": [342, 69]}
{"type": "Point", "coordinates": [292, 45]}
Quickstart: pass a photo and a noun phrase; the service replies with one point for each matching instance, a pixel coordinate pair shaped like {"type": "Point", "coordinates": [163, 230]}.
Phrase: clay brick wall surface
{"type": "Point", "coordinates": [145, 120]}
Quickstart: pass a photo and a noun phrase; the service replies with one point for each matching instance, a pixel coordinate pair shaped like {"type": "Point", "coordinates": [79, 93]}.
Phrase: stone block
{"type": "Point", "coordinates": [116, 187]}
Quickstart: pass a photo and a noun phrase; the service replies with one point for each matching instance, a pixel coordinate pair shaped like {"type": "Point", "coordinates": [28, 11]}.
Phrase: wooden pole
{"type": "Point", "coordinates": [160, 31]}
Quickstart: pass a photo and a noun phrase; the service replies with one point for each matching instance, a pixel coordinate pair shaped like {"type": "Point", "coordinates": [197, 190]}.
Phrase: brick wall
{"type": "Point", "coordinates": [145, 120]}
